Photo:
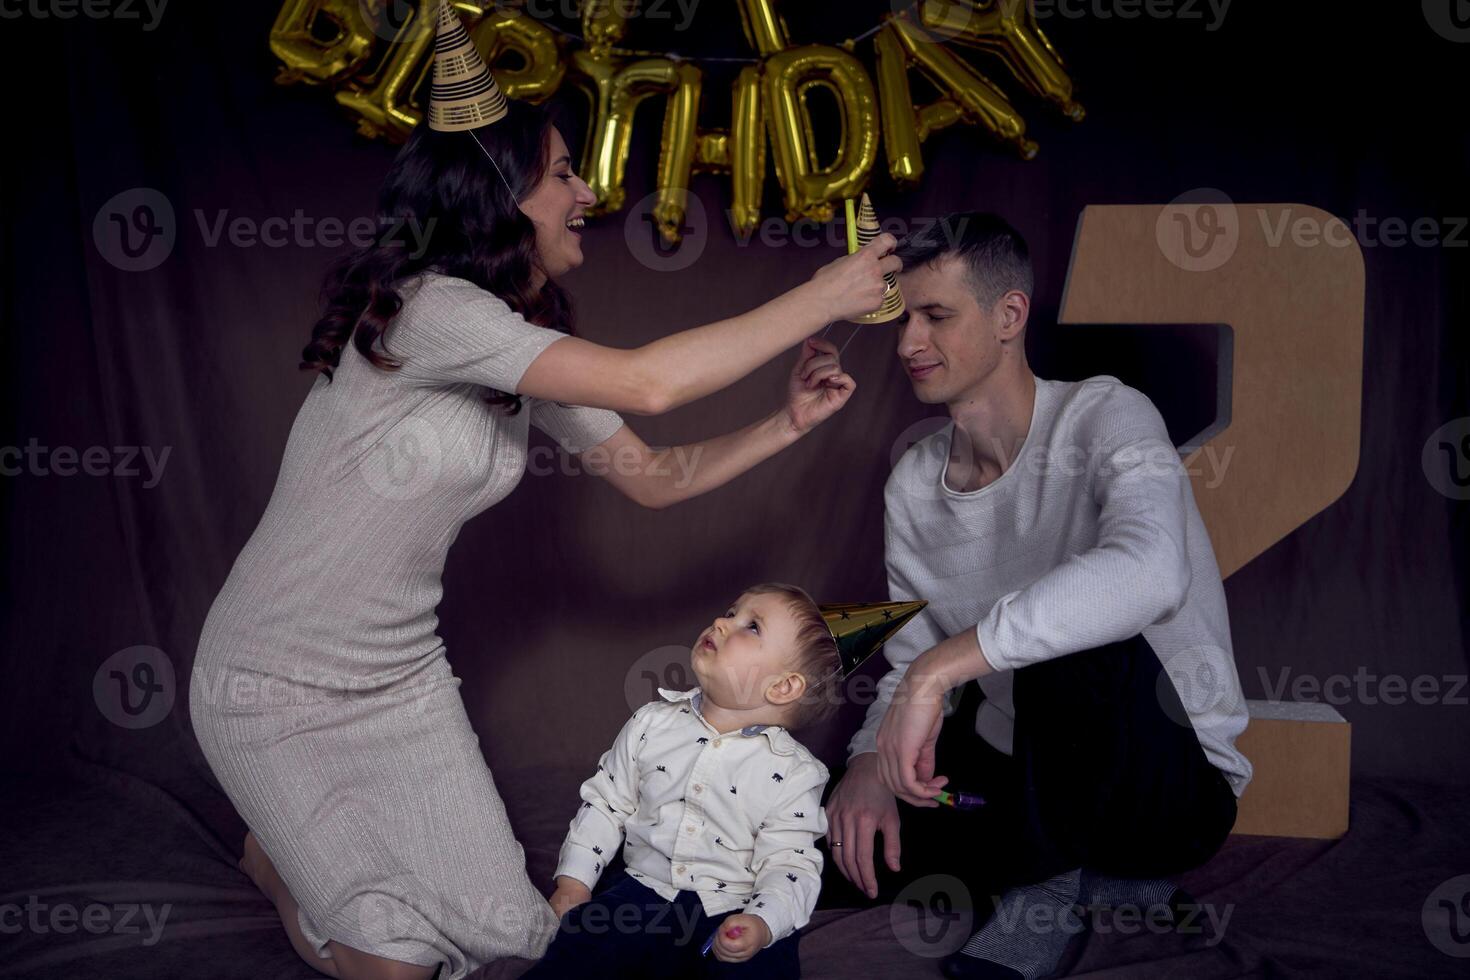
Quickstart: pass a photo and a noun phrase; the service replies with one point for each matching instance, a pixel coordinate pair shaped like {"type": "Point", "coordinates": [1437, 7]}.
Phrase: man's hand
{"type": "Point", "coordinates": [818, 387]}
{"type": "Point", "coordinates": [909, 734]}
{"type": "Point", "coordinates": [859, 806]}
{"type": "Point", "coordinates": [740, 937]}
{"type": "Point", "coordinates": [568, 895]}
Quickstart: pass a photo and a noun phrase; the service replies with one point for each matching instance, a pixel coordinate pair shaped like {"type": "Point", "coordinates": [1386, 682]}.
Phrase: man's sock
{"type": "Point", "coordinates": [1026, 937]}
{"type": "Point", "coordinates": [1140, 893]}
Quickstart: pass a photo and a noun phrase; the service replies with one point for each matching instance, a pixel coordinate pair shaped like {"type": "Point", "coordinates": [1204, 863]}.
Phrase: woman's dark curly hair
{"type": "Point", "coordinates": [442, 186]}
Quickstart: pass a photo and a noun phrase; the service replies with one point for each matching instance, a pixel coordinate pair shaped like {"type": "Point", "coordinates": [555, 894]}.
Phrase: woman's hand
{"type": "Point", "coordinates": [818, 386]}
{"type": "Point", "coordinates": [740, 937]}
{"type": "Point", "coordinates": [909, 734]}
{"type": "Point", "coordinates": [853, 285]}
{"type": "Point", "coordinates": [568, 895]}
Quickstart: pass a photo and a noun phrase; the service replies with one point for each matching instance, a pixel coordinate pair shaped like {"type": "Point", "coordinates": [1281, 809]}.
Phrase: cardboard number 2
{"type": "Point", "coordinates": [1288, 280]}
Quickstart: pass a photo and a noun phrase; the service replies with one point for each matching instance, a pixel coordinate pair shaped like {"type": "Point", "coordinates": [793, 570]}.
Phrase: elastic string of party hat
{"type": "Point", "coordinates": [495, 165]}
{"type": "Point", "coordinates": [839, 672]}
{"type": "Point", "coordinates": [854, 333]}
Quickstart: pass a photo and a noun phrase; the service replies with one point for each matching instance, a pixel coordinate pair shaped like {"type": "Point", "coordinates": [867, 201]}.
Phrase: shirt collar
{"type": "Point", "coordinates": [781, 740]}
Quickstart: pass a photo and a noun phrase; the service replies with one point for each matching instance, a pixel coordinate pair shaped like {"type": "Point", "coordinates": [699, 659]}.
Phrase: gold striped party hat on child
{"type": "Point", "coordinates": [867, 230]}
{"type": "Point", "coordinates": [463, 94]}
{"type": "Point", "coordinates": [860, 628]}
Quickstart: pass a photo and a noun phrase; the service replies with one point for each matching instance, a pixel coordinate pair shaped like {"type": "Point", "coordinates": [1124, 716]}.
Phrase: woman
{"type": "Point", "coordinates": [321, 695]}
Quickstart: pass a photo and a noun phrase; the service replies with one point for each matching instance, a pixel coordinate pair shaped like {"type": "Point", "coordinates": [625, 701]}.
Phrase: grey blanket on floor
{"type": "Point", "coordinates": [113, 878]}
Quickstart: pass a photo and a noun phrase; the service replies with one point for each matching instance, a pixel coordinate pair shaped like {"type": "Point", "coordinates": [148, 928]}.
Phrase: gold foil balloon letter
{"type": "Point", "coordinates": [810, 185]}
{"type": "Point", "coordinates": [615, 92]}
{"type": "Point", "coordinates": [1010, 31]}
{"type": "Point", "coordinates": [377, 65]}
{"type": "Point", "coordinates": [297, 40]}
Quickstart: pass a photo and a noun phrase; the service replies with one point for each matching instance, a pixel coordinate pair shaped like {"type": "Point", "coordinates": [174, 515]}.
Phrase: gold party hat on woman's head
{"type": "Point", "coordinates": [860, 628]}
{"type": "Point", "coordinates": [463, 94]}
{"type": "Point", "coordinates": [867, 230]}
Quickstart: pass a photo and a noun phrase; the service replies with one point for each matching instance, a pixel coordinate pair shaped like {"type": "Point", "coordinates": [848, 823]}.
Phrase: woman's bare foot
{"type": "Point", "coordinates": [258, 866]}
{"type": "Point", "coordinates": [344, 960]}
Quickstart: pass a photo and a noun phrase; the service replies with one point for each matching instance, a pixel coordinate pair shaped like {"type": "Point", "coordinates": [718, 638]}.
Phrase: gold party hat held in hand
{"type": "Point", "coordinates": [860, 628]}
{"type": "Point", "coordinates": [867, 230]}
{"type": "Point", "coordinates": [463, 94]}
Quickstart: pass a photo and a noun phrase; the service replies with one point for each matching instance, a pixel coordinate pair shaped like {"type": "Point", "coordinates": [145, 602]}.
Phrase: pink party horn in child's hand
{"type": "Point", "coordinates": [733, 932]}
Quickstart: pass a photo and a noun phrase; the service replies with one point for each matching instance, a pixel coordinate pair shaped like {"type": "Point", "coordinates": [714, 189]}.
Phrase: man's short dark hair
{"type": "Point", "coordinates": [995, 255]}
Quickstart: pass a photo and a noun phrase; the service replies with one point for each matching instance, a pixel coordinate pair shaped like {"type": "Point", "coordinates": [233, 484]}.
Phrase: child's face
{"type": "Point", "coordinates": [743, 660]}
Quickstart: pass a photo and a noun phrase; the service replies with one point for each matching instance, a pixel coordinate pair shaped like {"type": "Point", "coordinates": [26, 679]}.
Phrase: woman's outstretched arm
{"type": "Point", "coordinates": [691, 364]}
{"type": "Point", "coordinates": [657, 478]}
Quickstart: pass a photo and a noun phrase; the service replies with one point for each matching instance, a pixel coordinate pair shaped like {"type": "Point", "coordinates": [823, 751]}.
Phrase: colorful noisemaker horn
{"type": "Point", "coordinates": [867, 230]}
{"type": "Point", "coordinates": [860, 628]}
{"type": "Point", "coordinates": [464, 94]}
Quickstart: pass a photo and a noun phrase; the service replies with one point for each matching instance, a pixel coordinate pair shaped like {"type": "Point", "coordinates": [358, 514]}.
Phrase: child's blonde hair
{"type": "Point", "coordinates": [815, 655]}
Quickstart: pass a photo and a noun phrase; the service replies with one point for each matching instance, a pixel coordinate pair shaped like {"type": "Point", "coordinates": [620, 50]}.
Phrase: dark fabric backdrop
{"type": "Point", "coordinates": [557, 592]}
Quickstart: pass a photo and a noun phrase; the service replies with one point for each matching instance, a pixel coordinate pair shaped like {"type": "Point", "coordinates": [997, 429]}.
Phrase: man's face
{"type": "Point", "coordinates": [948, 345]}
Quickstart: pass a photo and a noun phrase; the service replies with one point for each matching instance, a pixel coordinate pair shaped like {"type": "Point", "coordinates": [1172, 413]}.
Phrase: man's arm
{"type": "Point", "coordinates": [902, 648]}
{"type": "Point", "coordinates": [1137, 574]}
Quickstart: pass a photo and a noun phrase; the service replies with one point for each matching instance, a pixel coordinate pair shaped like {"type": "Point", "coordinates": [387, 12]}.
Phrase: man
{"type": "Point", "coordinates": [1068, 573]}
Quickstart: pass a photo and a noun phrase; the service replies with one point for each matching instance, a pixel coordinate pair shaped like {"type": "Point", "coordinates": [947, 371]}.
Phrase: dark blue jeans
{"type": "Point", "coordinates": [627, 930]}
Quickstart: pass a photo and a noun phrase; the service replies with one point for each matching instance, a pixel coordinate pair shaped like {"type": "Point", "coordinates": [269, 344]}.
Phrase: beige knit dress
{"type": "Point", "coordinates": [321, 695]}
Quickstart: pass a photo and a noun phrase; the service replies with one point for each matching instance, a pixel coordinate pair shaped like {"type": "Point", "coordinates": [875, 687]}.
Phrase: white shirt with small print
{"type": "Point", "coordinates": [732, 816]}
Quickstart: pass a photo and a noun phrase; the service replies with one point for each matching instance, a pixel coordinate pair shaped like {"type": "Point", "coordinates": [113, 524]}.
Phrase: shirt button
{"type": "Point", "coordinates": [679, 870]}
{"type": "Point", "coordinates": [699, 787]}
{"type": "Point", "coordinates": [689, 828]}
{"type": "Point", "coordinates": [717, 742]}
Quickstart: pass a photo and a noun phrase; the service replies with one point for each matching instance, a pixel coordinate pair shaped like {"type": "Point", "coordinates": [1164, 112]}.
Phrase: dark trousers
{"type": "Point", "coordinates": [627, 930]}
{"type": "Point", "coordinates": [1106, 774]}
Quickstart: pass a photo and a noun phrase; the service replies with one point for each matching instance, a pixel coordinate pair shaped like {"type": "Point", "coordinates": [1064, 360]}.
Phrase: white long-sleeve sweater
{"type": "Point", "coordinates": [1089, 537]}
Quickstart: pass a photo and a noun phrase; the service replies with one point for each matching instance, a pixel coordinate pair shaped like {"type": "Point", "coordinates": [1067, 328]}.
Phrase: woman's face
{"type": "Point", "coordinates": [556, 207]}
